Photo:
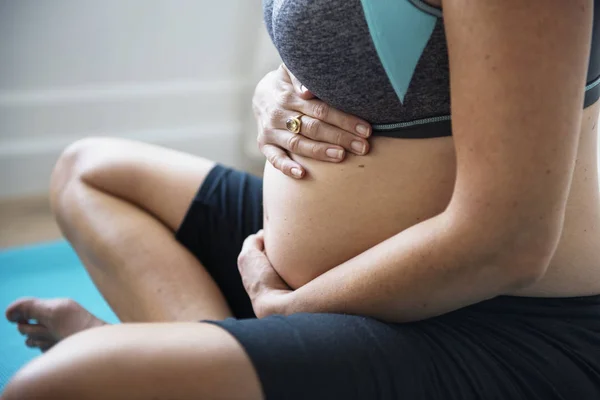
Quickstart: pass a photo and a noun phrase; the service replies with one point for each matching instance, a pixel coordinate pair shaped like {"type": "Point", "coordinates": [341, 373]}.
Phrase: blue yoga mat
{"type": "Point", "coordinates": [45, 270]}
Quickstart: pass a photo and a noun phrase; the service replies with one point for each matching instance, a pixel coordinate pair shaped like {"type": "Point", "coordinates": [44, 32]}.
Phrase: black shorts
{"type": "Point", "coordinates": [504, 348]}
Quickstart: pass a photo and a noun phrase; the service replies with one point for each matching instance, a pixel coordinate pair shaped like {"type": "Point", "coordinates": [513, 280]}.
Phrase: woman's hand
{"type": "Point", "coordinates": [325, 135]}
{"type": "Point", "coordinates": [267, 291]}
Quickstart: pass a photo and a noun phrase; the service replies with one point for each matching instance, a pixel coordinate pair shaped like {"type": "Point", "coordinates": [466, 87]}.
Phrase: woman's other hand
{"type": "Point", "coordinates": [326, 133]}
{"type": "Point", "coordinates": [267, 290]}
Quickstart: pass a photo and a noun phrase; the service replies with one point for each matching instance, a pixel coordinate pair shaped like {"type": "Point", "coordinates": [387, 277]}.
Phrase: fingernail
{"type": "Point", "coordinates": [334, 153]}
{"type": "Point", "coordinates": [303, 88]}
{"type": "Point", "coordinates": [362, 130]}
{"type": "Point", "coordinates": [297, 172]}
{"type": "Point", "coordinates": [358, 147]}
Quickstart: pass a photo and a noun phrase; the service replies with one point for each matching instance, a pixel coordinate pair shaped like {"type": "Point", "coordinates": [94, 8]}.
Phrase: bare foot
{"type": "Point", "coordinates": [56, 319]}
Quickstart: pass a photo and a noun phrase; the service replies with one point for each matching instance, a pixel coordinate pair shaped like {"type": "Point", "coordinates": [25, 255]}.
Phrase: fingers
{"type": "Point", "coordinates": [254, 242]}
{"type": "Point", "coordinates": [323, 112]}
{"type": "Point", "coordinates": [252, 251]}
{"type": "Point", "coordinates": [326, 132]}
{"type": "Point", "coordinates": [303, 146]}
{"type": "Point", "coordinates": [284, 73]}
{"type": "Point", "coordinates": [300, 89]}
{"type": "Point", "coordinates": [323, 123]}
{"type": "Point", "coordinates": [318, 130]}
{"type": "Point", "coordinates": [256, 270]}
{"type": "Point", "coordinates": [282, 161]}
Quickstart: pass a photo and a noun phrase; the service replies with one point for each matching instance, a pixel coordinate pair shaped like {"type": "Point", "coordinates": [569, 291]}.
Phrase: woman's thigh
{"type": "Point", "coordinates": [303, 356]}
{"type": "Point", "coordinates": [210, 209]}
{"type": "Point", "coordinates": [161, 181]}
{"type": "Point", "coordinates": [141, 361]}
{"type": "Point", "coordinates": [468, 354]}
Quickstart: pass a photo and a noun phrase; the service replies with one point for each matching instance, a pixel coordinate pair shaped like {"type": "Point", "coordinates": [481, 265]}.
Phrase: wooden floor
{"type": "Point", "coordinates": [25, 221]}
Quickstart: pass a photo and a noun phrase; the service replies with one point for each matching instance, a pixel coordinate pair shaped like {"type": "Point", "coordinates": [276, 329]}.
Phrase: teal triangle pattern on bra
{"type": "Point", "coordinates": [400, 32]}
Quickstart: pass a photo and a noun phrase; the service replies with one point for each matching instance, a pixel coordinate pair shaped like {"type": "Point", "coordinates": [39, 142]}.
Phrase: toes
{"type": "Point", "coordinates": [43, 311]}
{"type": "Point", "coordinates": [30, 342]}
{"type": "Point", "coordinates": [26, 309]}
{"type": "Point", "coordinates": [15, 311]}
{"type": "Point", "coordinates": [43, 345]}
{"type": "Point", "coordinates": [34, 331]}
{"type": "Point", "coordinates": [56, 319]}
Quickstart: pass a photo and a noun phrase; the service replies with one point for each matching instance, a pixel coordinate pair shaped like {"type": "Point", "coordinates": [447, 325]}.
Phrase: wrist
{"type": "Point", "coordinates": [288, 303]}
{"type": "Point", "coordinates": [275, 302]}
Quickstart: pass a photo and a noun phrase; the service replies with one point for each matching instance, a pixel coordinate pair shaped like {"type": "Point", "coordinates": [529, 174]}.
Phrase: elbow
{"type": "Point", "coordinates": [514, 245]}
{"type": "Point", "coordinates": [522, 276]}
{"type": "Point", "coordinates": [527, 255]}
{"type": "Point", "coordinates": [513, 254]}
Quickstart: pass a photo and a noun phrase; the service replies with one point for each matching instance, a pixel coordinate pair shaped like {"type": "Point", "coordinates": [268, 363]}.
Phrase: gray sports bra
{"type": "Point", "coordinates": [383, 60]}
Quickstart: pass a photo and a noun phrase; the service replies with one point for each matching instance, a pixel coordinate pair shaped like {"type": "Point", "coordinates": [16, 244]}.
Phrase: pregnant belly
{"type": "Point", "coordinates": [340, 210]}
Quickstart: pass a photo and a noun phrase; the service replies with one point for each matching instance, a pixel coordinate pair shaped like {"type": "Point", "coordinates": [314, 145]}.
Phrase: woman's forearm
{"type": "Point", "coordinates": [429, 269]}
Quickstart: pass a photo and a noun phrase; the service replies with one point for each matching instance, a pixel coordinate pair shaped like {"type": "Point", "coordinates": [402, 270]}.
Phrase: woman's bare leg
{"type": "Point", "coordinates": [119, 203]}
{"type": "Point", "coordinates": [140, 361]}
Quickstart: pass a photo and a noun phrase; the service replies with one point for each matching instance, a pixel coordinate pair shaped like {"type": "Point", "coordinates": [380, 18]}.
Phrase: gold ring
{"type": "Point", "coordinates": [294, 124]}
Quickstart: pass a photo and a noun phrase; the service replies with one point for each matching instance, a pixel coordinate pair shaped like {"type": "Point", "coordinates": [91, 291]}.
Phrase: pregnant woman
{"type": "Point", "coordinates": [453, 261]}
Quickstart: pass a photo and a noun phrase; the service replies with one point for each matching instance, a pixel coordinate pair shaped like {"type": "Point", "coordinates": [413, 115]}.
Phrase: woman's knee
{"type": "Point", "coordinates": [71, 165]}
{"type": "Point", "coordinates": [65, 372]}
{"type": "Point", "coordinates": [37, 381]}
{"type": "Point", "coordinates": [88, 161]}
{"type": "Point", "coordinates": [183, 360]}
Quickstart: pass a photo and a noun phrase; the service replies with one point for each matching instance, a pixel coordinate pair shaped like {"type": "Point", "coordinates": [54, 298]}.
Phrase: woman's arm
{"type": "Point", "coordinates": [517, 77]}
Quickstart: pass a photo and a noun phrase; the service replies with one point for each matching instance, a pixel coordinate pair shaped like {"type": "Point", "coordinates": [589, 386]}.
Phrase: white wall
{"type": "Point", "coordinates": [174, 72]}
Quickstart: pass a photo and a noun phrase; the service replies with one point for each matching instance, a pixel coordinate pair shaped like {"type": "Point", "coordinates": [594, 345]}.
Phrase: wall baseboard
{"type": "Point", "coordinates": [26, 171]}
{"type": "Point", "coordinates": [202, 118]}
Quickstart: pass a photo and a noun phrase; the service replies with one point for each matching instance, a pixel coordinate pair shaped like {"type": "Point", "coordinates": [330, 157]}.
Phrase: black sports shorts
{"type": "Point", "coordinates": [504, 348]}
